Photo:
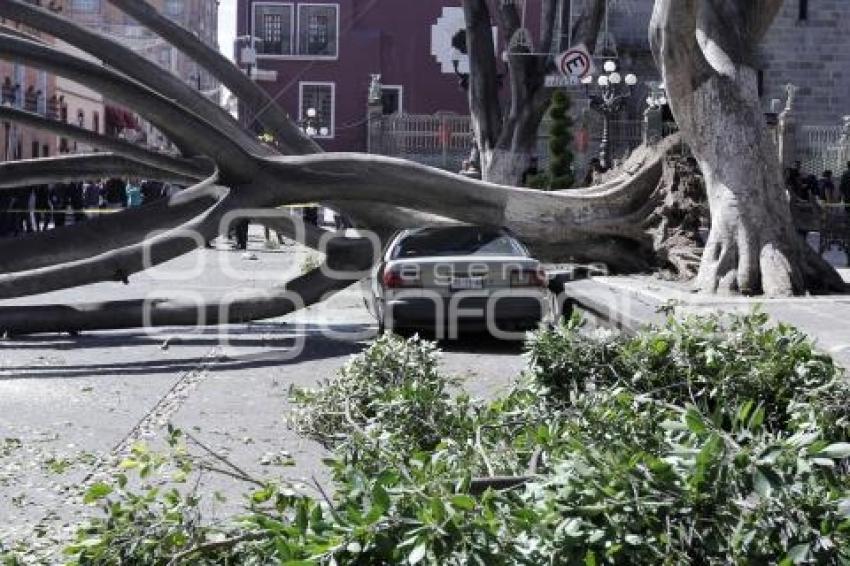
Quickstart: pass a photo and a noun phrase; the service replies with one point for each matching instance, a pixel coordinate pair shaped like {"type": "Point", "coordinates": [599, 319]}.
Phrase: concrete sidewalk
{"type": "Point", "coordinates": [630, 302]}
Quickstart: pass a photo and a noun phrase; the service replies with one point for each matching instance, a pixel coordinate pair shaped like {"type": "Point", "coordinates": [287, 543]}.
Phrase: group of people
{"type": "Point", "coordinates": [825, 189]}
{"type": "Point", "coordinates": [40, 208]}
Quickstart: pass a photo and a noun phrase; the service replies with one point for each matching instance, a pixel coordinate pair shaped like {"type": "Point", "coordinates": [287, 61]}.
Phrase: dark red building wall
{"type": "Point", "coordinates": [389, 37]}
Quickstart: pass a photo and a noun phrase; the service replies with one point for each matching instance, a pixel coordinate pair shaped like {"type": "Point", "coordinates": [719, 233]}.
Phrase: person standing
{"type": "Point", "coordinates": [75, 198]}
{"type": "Point", "coordinates": [794, 181]}
{"type": "Point", "coordinates": [115, 193]}
{"type": "Point", "coordinates": [827, 188]}
{"type": "Point", "coordinates": [59, 201]}
{"type": "Point", "coordinates": [91, 198]}
{"type": "Point", "coordinates": [43, 210]}
{"type": "Point", "coordinates": [844, 187]}
{"type": "Point", "coordinates": [134, 194]}
{"type": "Point", "coordinates": [530, 172]}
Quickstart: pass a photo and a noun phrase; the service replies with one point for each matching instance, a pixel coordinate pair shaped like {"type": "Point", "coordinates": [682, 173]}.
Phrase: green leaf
{"type": "Point", "coordinates": [837, 451]}
{"type": "Point", "coordinates": [380, 498]}
{"type": "Point", "coordinates": [262, 495]}
{"type": "Point", "coordinates": [418, 553]}
{"type": "Point", "coordinates": [758, 418]}
{"type": "Point", "coordinates": [464, 502]}
{"type": "Point", "coordinates": [798, 553]}
{"type": "Point", "coordinates": [745, 409]}
{"type": "Point", "coordinates": [301, 520]}
{"type": "Point", "coordinates": [694, 421]}
{"type": "Point", "coordinates": [761, 483]}
{"type": "Point", "coordinates": [590, 558]}
{"type": "Point", "coordinates": [96, 492]}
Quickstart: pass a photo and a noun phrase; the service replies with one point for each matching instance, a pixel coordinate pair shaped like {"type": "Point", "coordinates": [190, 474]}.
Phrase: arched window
{"type": "Point", "coordinates": [81, 119]}
{"type": "Point", "coordinates": [804, 10]}
{"type": "Point", "coordinates": [95, 122]}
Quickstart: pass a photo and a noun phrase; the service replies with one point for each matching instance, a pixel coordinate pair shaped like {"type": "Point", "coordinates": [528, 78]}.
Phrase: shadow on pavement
{"type": "Point", "coordinates": [314, 345]}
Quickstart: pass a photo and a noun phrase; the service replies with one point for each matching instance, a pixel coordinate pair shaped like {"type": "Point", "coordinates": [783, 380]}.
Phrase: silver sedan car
{"type": "Point", "coordinates": [451, 278]}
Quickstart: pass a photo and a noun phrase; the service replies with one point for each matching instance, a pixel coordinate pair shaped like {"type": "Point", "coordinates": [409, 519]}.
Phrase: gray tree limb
{"type": "Point", "coordinates": [190, 168]}
{"type": "Point", "coordinates": [82, 167]}
{"type": "Point", "coordinates": [189, 131]}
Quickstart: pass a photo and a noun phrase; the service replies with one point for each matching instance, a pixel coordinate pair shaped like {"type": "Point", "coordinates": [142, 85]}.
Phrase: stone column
{"type": "Point", "coordinates": [374, 117]}
{"type": "Point", "coordinates": [787, 130]}
{"type": "Point", "coordinates": [653, 125]}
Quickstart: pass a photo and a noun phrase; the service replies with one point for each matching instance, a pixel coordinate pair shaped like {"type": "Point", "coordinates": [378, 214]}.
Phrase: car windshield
{"type": "Point", "coordinates": [457, 241]}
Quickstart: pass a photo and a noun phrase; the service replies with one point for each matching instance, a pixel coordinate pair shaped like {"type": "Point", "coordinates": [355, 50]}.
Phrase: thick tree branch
{"type": "Point", "coordinates": [301, 292]}
{"type": "Point", "coordinates": [588, 23]}
{"type": "Point", "coordinates": [182, 126]}
{"type": "Point", "coordinates": [730, 31]}
{"type": "Point", "coordinates": [184, 167]}
{"type": "Point", "coordinates": [82, 167]}
{"type": "Point", "coordinates": [112, 247]}
{"type": "Point", "coordinates": [483, 82]}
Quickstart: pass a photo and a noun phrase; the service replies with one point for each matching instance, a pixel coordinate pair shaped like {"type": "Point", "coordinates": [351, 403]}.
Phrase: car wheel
{"type": "Point", "coordinates": [385, 321]}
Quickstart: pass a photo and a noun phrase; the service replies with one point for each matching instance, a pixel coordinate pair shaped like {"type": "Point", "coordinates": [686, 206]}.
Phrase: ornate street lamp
{"type": "Point", "coordinates": [609, 99]}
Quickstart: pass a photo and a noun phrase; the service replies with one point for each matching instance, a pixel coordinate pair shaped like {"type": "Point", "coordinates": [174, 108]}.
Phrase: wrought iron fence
{"type": "Point", "coordinates": [440, 140]}
{"type": "Point", "coordinates": [445, 140]}
{"type": "Point", "coordinates": [821, 148]}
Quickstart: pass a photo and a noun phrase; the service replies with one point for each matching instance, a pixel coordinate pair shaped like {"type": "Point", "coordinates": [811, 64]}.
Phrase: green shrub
{"type": "Point", "coordinates": [708, 441]}
{"type": "Point", "coordinates": [560, 157]}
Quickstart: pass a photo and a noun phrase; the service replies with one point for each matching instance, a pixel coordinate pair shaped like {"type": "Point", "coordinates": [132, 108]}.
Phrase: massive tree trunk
{"type": "Point", "coordinates": [507, 139]}
{"type": "Point", "coordinates": [706, 50]}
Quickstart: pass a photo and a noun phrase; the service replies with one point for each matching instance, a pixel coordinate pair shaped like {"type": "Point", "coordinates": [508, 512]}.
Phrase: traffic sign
{"type": "Point", "coordinates": [575, 62]}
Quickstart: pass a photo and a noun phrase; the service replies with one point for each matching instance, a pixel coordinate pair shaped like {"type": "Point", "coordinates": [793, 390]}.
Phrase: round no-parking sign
{"type": "Point", "coordinates": [575, 62]}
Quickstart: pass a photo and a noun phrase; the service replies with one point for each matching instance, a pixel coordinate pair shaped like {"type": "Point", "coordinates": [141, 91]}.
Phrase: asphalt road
{"type": "Point", "coordinates": [72, 406]}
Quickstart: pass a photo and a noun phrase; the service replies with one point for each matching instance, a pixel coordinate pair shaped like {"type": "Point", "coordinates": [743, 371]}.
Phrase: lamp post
{"type": "Point", "coordinates": [609, 100]}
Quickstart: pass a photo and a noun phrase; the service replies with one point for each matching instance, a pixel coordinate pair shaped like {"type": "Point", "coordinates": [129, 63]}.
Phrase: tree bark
{"type": "Point", "coordinates": [82, 167]}
{"type": "Point", "coordinates": [706, 51]}
{"type": "Point", "coordinates": [195, 168]}
{"type": "Point", "coordinates": [188, 131]}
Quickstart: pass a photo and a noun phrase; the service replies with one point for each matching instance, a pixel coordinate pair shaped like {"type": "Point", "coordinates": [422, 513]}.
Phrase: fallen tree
{"type": "Point", "coordinates": [615, 222]}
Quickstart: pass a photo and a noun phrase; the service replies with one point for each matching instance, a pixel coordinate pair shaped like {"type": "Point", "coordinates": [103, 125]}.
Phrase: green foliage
{"type": "Point", "coordinates": [560, 138]}
{"type": "Point", "coordinates": [706, 441]}
{"type": "Point", "coordinates": [309, 263]}
{"type": "Point", "coordinates": [393, 393]}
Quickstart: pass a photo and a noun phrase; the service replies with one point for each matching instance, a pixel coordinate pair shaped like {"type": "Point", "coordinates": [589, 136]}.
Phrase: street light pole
{"type": "Point", "coordinates": [609, 100]}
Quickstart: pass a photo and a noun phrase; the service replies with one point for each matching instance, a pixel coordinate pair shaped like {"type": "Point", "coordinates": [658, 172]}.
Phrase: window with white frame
{"type": "Point", "coordinates": [318, 30]}
{"type": "Point", "coordinates": [273, 24]}
{"type": "Point", "coordinates": [316, 109]}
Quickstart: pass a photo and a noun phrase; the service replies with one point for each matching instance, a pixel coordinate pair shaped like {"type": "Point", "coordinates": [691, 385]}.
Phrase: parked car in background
{"type": "Point", "coordinates": [452, 278]}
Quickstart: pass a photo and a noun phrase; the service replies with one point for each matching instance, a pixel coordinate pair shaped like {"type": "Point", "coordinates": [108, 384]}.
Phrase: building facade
{"type": "Point", "coordinates": [322, 56]}
{"type": "Point", "coordinates": [198, 16]}
{"type": "Point", "coordinates": [319, 55]}
{"type": "Point", "coordinates": [78, 105]}
{"type": "Point", "coordinates": [808, 46]}
{"type": "Point", "coordinates": [28, 89]}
